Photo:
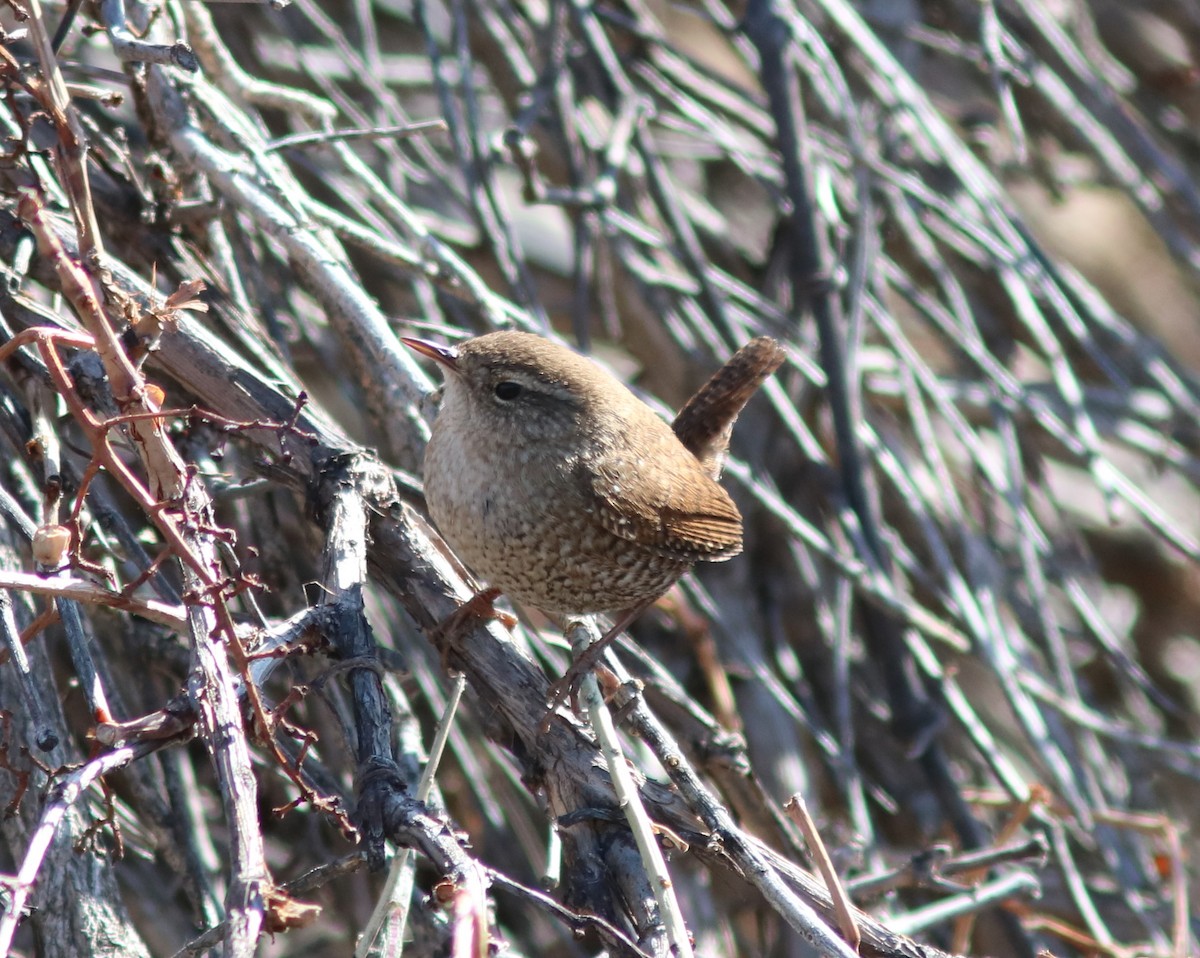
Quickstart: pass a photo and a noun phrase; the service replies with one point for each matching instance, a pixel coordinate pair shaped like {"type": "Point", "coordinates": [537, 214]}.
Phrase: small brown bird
{"type": "Point", "coordinates": [561, 488]}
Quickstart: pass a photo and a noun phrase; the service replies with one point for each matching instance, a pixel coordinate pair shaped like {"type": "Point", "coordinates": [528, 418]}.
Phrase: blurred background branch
{"type": "Point", "coordinates": [965, 625]}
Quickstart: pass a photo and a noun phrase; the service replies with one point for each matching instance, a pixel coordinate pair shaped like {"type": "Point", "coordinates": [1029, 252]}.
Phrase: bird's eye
{"type": "Point", "coordinates": [507, 390]}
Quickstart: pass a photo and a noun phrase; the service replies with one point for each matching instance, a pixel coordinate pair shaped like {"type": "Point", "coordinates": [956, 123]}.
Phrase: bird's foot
{"type": "Point", "coordinates": [479, 608]}
{"type": "Point", "coordinates": [568, 686]}
{"type": "Point", "coordinates": [587, 660]}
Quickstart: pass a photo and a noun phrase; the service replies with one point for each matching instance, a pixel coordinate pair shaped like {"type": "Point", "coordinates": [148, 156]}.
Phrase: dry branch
{"type": "Point", "coordinates": [964, 623]}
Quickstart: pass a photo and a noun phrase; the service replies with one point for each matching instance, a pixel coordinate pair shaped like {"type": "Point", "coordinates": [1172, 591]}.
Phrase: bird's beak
{"type": "Point", "coordinates": [445, 355]}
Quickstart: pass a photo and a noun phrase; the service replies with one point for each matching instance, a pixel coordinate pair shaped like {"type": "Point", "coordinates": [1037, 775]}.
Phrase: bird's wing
{"type": "Point", "coordinates": [678, 512]}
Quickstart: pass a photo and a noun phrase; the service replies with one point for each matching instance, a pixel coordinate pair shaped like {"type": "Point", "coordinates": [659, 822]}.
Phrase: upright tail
{"type": "Point", "coordinates": [705, 423]}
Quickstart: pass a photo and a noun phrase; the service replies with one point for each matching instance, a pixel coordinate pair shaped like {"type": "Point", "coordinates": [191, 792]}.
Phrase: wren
{"type": "Point", "coordinates": [562, 489]}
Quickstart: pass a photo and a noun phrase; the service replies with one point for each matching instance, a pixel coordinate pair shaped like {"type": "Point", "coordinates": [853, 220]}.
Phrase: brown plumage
{"type": "Point", "coordinates": [705, 423]}
{"type": "Point", "coordinates": [564, 490]}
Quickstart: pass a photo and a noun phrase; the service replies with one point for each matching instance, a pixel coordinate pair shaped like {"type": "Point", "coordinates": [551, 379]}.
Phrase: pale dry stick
{"type": "Point", "coordinates": [959, 705]}
{"type": "Point", "coordinates": [129, 49]}
{"type": "Point", "coordinates": [397, 890]}
{"type": "Point", "coordinates": [1022, 811]}
{"type": "Point", "coordinates": [421, 577]}
{"type": "Point", "coordinates": [879, 937]}
{"type": "Point", "coordinates": [797, 810]}
{"type": "Point", "coordinates": [1001, 68]}
{"type": "Point", "coordinates": [934, 866]}
{"type": "Point", "coordinates": [1078, 888]}
{"type": "Point", "coordinates": [1019, 884]}
{"type": "Point", "coordinates": [70, 153]}
{"type": "Point", "coordinates": [247, 149]}
{"type": "Point", "coordinates": [1131, 157]}
{"type": "Point", "coordinates": [1173, 532]}
{"type": "Point", "coordinates": [392, 252]}
{"type": "Point", "coordinates": [552, 875]}
{"type": "Point", "coordinates": [440, 262]}
{"type": "Point", "coordinates": [1081, 941]}
{"type": "Point", "coordinates": [897, 90]}
{"type": "Point", "coordinates": [499, 310]}
{"type": "Point", "coordinates": [756, 863]}
{"type": "Point", "coordinates": [294, 140]}
{"type": "Point", "coordinates": [1166, 829]}
{"type": "Point", "coordinates": [391, 379]}
{"type": "Point", "coordinates": [178, 507]}
{"type": "Point", "coordinates": [104, 456]}
{"type": "Point", "coordinates": [63, 794]}
{"type": "Point", "coordinates": [1181, 757]}
{"type": "Point", "coordinates": [875, 587]}
{"type": "Point", "coordinates": [222, 69]}
{"type": "Point", "coordinates": [582, 635]}
{"type": "Point", "coordinates": [82, 590]}
{"type": "Point", "coordinates": [1032, 316]}
{"type": "Point", "coordinates": [978, 606]}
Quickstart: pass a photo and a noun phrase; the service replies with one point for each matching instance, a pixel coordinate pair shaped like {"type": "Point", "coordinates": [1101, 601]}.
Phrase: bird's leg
{"type": "Point", "coordinates": [478, 608]}
{"type": "Point", "coordinates": [589, 658]}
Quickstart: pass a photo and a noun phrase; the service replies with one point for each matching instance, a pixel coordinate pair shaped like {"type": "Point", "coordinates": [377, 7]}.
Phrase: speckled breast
{"type": "Point", "coordinates": [527, 533]}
